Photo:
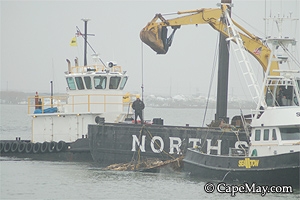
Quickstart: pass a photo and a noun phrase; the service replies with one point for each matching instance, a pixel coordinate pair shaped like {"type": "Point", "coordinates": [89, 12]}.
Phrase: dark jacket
{"type": "Point", "coordinates": [138, 105]}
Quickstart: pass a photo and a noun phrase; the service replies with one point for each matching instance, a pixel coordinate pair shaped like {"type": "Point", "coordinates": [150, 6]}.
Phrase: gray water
{"type": "Point", "coordinates": [27, 179]}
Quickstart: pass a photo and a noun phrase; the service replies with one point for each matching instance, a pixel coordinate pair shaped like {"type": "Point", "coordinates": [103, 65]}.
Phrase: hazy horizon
{"type": "Point", "coordinates": [35, 38]}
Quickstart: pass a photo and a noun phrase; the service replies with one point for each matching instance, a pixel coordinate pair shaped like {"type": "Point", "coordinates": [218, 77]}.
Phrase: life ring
{"type": "Point", "coordinates": [44, 147]}
{"type": "Point", "coordinates": [60, 146]}
{"type": "Point", "coordinates": [36, 147]}
{"type": "Point", "coordinates": [29, 147]}
{"type": "Point", "coordinates": [7, 146]}
{"type": "Point", "coordinates": [21, 147]}
{"type": "Point", "coordinates": [14, 147]}
{"type": "Point", "coordinates": [52, 146]}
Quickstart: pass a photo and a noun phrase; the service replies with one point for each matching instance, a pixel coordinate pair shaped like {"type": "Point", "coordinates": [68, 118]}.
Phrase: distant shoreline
{"type": "Point", "coordinates": [177, 101]}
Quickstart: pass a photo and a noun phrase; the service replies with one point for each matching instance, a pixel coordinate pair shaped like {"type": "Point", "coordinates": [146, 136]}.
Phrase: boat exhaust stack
{"type": "Point", "coordinates": [69, 66]}
{"type": "Point", "coordinates": [76, 62]}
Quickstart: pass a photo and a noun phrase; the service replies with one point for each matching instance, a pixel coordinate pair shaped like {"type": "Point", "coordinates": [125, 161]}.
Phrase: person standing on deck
{"type": "Point", "coordinates": [138, 107]}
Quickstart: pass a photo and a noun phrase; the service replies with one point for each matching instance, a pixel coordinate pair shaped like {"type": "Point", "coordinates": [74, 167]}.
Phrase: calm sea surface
{"type": "Point", "coordinates": [26, 179]}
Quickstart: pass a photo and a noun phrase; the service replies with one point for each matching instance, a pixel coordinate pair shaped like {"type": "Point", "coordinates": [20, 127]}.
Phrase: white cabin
{"type": "Point", "coordinates": [92, 91]}
{"type": "Point", "coordinates": [275, 128]}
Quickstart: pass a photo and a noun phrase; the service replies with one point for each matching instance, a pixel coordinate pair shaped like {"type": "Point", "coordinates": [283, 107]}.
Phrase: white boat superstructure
{"type": "Point", "coordinates": [92, 91]}
{"type": "Point", "coordinates": [276, 126]}
{"type": "Point", "coordinates": [95, 93]}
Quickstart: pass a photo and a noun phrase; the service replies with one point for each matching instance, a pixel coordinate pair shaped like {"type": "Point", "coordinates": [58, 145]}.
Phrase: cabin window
{"type": "Point", "coordinates": [274, 136]}
{"type": "Point", "coordinates": [114, 82]}
{"type": "Point", "coordinates": [88, 82]}
{"type": "Point", "coordinates": [257, 135]}
{"type": "Point", "coordinates": [123, 82]}
{"type": "Point", "coordinates": [71, 83]}
{"type": "Point", "coordinates": [79, 83]}
{"type": "Point", "coordinates": [266, 134]}
{"type": "Point", "coordinates": [100, 82]}
{"type": "Point", "coordinates": [290, 133]}
{"type": "Point", "coordinates": [269, 98]}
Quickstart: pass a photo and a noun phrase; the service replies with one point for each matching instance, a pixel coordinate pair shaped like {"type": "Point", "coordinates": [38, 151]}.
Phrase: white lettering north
{"type": "Point", "coordinates": [210, 147]}
{"type": "Point", "coordinates": [135, 141]}
{"type": "Point", "coordinates": [175, 146]}
{"type": "Point", "coordinates": [195, 140]}
{"type": "Point", "coordinates": [159, 143]}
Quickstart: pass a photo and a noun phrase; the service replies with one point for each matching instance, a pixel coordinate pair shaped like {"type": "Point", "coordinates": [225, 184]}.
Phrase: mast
{"type": "Point", "coordinates": [223, 69]}
{"type": "Point", "coordinates": [85, 41]}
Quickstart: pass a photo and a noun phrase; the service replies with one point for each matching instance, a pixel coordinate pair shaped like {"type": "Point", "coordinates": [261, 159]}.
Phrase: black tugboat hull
{"type": "Point", "coordinates": [123, 143]}
{"type": "Point", "coordinates": [280, 169]}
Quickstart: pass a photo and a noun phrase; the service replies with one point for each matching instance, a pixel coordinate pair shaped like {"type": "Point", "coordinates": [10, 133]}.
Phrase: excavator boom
{"type": "Point", "coordinates": [155, 33]}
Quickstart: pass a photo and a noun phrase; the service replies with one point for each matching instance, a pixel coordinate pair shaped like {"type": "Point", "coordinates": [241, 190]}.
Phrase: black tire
{"type": "Point", "coordinates": [21, 147]}
{"type": "Point", "coordinates": [7, 146]}
{"type": "Point", "coordinates": [29, 147]}
{"type": "Point", "coordinates": [61, 146]}
{"type": "Point", "coordinates": [2, 144]}
{"type": "Point", "coordinates": [14, 147]}
{"type": "Point", "coordinates": [52, 146]}
{"type": "Point", "coordinates": [44, 147]}
{"type": "Point", "coordinates": [36, 147]}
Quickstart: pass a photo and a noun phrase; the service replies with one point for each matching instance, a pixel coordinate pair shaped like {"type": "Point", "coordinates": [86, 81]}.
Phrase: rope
{"type": "Point", "coordinates": [211, 81]}
{"type": "Point", "coordinates": [259, 31]}
{"type": "Point", "coordinates": [138, 159]}
{"type": "Point", "coordinates": [237, 136]}
{"type": "Point", "coordinates": [163, 151]}
{"type": "Point", "coordinates": [139, 155]}
{"type": "Point", "coordinates": [225, 176]}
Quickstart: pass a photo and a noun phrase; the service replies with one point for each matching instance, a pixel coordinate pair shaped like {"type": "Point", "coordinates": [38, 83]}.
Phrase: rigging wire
{"type": "Point", "coordinates": [80, 34]}
{"type": "Point", "coordinates": [211, 79]}
{"type": "Point", "coordinates": [142, 86]}
{"type": "Point", "coordinates": [259, 31]}
{"type": "Point", "coordinates": [290, 54]}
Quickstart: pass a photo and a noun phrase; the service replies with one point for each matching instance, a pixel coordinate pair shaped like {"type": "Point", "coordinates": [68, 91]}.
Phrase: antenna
{"type": "Point", "coordinates": [142, 71]}
{"type": "Point", "coordinates": [85, 40]}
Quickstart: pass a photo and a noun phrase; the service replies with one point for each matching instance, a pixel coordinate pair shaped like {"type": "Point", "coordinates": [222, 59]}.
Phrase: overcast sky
{"type": "Point", "coordinates": [35, 37]}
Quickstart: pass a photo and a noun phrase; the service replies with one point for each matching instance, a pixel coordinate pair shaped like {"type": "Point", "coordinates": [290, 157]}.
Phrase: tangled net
{"type": "Point", "coordinates": [145, 165]}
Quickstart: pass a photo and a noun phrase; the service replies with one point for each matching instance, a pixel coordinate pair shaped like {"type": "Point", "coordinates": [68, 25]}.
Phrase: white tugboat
{"type": "Point", "coordinates": [273, 154]}
{"type": "Point", "coordinates": [95, 93]}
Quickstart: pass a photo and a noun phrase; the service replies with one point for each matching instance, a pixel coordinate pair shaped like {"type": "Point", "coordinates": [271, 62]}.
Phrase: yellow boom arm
{"type": "Point", "coordinates": [155, 33]}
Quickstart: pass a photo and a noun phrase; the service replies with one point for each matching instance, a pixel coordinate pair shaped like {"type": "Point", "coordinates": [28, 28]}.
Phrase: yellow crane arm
{"type": "Point", "coordinates": [154, 34]}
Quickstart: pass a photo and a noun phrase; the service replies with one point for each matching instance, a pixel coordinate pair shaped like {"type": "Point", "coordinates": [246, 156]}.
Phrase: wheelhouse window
{"type": "Point", "coordinates": [71, 83]}
{"type": "Point", "coordinates": [266, 134]}
{"type": "Point", "coordinates": [274, 136]}
{"type": "Point", "coordinates": [114, 82]}
{"type": "Point", "coordinates": [257, 135]}
{"type": "Point", "coordinates": [79, 83]}
{"type": "Point", "coordinates": [290, 133]}
{"type": "Point", "coordinates": [100, 82]}
{"type": "Point", "coordinates": [123, 83]}
{"type": "Point", "coordinates": [88, 82]}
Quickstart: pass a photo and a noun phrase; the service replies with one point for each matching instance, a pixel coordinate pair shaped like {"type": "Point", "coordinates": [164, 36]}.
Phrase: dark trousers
{"type": "Point", "coordinates": [140, 115]}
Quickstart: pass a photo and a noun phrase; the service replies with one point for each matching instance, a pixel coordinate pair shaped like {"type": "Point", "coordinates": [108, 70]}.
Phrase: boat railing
{"type": "Point", "coordinates": [84, 103]}
{"type": "Point", "coordinates": [93, 68]}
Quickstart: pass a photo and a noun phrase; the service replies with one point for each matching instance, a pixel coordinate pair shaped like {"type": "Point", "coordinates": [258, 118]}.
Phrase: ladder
{"type": "Point", "coordinates": [242, 58]}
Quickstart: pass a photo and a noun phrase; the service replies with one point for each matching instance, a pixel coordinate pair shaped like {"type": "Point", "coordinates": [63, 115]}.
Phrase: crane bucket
{"type": "Point", "coordinates": [155, 38]}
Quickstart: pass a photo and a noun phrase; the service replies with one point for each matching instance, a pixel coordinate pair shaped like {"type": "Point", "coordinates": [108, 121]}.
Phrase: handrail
{"type": "Point", "coordinates": [96, 68]}
{"type": "Point", "coordinates": [75, 101]}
